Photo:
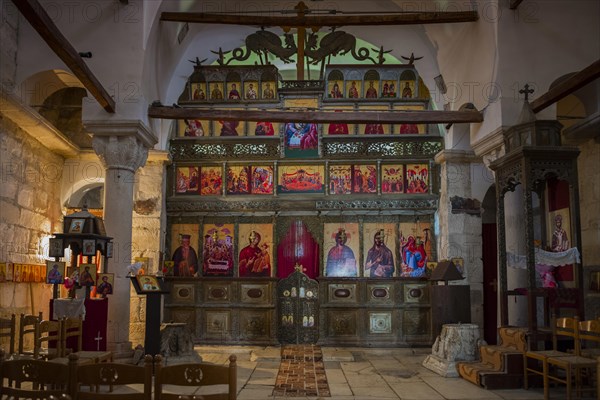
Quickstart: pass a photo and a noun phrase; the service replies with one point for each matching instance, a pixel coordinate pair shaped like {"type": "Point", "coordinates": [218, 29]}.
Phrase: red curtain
{"type": "Point", "coordinates": [297, 246]}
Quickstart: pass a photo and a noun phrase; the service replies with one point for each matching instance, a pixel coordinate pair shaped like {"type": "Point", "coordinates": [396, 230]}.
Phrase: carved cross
{"type": "Point", "coordinates": [526, 91]}
{"type": "Point", "coordinates": [98, 339]}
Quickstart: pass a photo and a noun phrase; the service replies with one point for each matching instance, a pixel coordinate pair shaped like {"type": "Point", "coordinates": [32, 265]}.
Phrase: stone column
{"type": "Point", "coordinates": [459, 220]}
{"type": "Point", "coordinates": [122, 146]}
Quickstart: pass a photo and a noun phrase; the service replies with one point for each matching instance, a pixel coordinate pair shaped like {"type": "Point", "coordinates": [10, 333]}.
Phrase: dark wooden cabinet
{"type": "Point", "coordinates": [451, 304]}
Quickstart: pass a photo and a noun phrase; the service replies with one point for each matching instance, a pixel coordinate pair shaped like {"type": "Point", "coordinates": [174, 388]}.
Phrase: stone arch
{"type": "Point", "coordinates": [38, 87]}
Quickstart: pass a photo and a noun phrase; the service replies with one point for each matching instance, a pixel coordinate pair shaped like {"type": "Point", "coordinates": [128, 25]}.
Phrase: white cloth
{"type": "Point", "coordinates": [542, 257]}
{"type": "Point", "coordinates": [68, 308]}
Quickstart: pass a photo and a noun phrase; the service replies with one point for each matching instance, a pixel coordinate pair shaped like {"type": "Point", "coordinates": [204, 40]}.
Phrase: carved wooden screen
{"type": "Point", "coordinates": [298, 309]}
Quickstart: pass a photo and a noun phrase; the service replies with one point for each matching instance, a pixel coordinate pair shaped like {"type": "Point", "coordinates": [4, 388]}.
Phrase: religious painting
{"type": "Point", "coordinates": [263, 128]}
{"type": "Point", "coordinates": [374, 128]}
{"type": "Point", "coordinates": [392, 178]}
{"type": "Point", "coordinates": [354, 89]}
{"type": "Point", "coordinates": [9, 271]}
{"type": "Point", "coordinates": [105, 284]}
{"type": "Point", "coordinates": [256, 254]}
{"type": "Point", "coordinates": [415, 246]}
{"type": "Point", "coordinates": [341, 244]}
{"type": "Point", "coordinates": [251, 90]}
{"type": "Point", "coordinates": [558, 229]}
{"type": "Point", "coordinates": [372, 89]}
{"type": "Point", "coordinates": [211, 180]}
{"type": "Point", "coordinates": [417, 178]}
{"type": "Point", "coordinates": [459, 263]}
{"type": "Point", "coordinates": [56, 248]}
{"type": "Point", "coordinates": [339, 128]}
{"type": "Point", "coordinates": [89, 247]}
{"type": "Point", "coordinates": [301, 179]}
{"type": "Point", "coordinates": [407, 89]}
{"type": "Point", "coordinates": [192, 128]}
{"type": "Point", "coordinates": [148, 283]}
{"type": "Point", "coordinates": [233, 90]}
{"type": "Point", "coordinates": [335, 89]}
{"type": "Point", "coordinates": [25, 275]}
{"type": "Point", "coordinates": [431, 265]}
{"type": "Point", "coordinates": [55, 272]}
{"type": "Point", "coordinates": [238, 179]}
{"type": "Point", "coordinates": [407, 129]}
{"type": "Point", "coordinates": [216, 91]}
{"type": "Point", "coordinates": [388, 89]}
{"type": "Point", "coordinates": [379, 241]}
{"type": "Point", "coordinates": [184, 242]}
{"type": "Point", "coordinates": [187, 180]}
{"type": "Point", "coordinates": [269, 90]}
{"type": "Point", "coordinates": [144, 263]}
{"type": "Point", "coordinates": [229, 128]}
{"type": "Point", "coordinates": [87, 274]}
{"type": "Point", "coordinates": [340, 179]}
{"type": "Point", "coordinates": [262, 180]}
{"type": "Point", "coordinates": [18, 272]}
{"type": "Point", "coordinates": [301, 140]}
{"type": "Point", "coordinates": [217, 251]}
{"type": "Point", "coordinates": [76, 225]}
{"type": "Point", "coordinates": [198, 91]}
{"type": "Point", "coordinates": [109, 249]}
{"type": "Point", "coordinates": [364, 178]}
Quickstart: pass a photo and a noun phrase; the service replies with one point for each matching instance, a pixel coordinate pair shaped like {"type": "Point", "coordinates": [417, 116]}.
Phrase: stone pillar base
{"type": "Point", "coordinates": [445, 368]}
{"type": "Point", "coordinates": [121, 349]}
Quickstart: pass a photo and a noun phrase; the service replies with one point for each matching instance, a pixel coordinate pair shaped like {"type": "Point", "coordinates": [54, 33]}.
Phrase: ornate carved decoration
{"type": "Point", "coordinates": [302, 85]}
{"type": "Point", "coordinates": [343, 323]}
{"type": "Point", "coordinates": [263, 43]}
{"type": "Point", "coordinates": [333, 43]}
{"type": "Point", "coordinates": [381, 147]}
{"type": "Point", "coordinates": [183, 150]}
{"type": "Point", "coordinates": [120, 152]}
{"type": "Point", "coordinates": [420, 204]}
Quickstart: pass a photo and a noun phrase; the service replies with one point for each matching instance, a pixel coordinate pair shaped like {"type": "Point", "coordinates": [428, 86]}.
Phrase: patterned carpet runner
{"type": "Point", "coordinates": [301, 372]}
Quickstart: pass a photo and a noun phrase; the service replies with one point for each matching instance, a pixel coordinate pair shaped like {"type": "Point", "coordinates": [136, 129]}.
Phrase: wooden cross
{"type": "Point", "coordinates": [98, 339]}
{"type": "Point", "coordinates": [526, 91]}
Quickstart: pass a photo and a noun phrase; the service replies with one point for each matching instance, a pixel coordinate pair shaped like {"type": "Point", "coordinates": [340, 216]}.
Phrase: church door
{"type": "Point", "coordinates": [298, 309]}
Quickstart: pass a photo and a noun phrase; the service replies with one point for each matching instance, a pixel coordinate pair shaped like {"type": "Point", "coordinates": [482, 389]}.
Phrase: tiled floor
{"type": "Point", "coordinates": [361, 374]}
{"type": "Point", "coordinates": [301, 372]}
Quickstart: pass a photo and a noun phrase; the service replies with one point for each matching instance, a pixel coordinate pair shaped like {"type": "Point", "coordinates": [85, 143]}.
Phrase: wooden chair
{"type": "Point", "coordinates": [8, 327]}
{"type": "Point", "coordinates": [73, 327]}
{"type": "Point", "coordinates": [32, 379]}
{"type": "Point", "coordinates": [574, 364]}
{"type": "Point", "coordinates": [561, 327]}
{"type": "Point", "coordinates": [28, 326]}
{"type": "Point", "coordinates": [171, 382]}
{"type": "Point", "coordinates": [49, 333]}
{"type": "Point", "coordinates": [111, 380]}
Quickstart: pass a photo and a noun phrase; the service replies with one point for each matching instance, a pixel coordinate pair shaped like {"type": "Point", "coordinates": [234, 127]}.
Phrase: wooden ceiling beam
{"type": "Point", "coordinates": [33, 11]}
{"type": "Point", "coordinates": [309, 21]}
{"type": "Point", "coordinates": [514, 4]}
{"type": "Point", "coordinates": [351, 117]}
{"type": "Point", "coordinates": [568, 86]}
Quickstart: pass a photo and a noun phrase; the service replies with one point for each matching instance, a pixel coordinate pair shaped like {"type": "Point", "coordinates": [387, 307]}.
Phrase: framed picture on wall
{"type": "Point", "coordinates": [109, 250]}
{"type": "Point", "coordinates": [89, 247]}
{"type": "Point", "coordinates": [56, 248]}
{"type": "Point", "coordinates": [76, 225]}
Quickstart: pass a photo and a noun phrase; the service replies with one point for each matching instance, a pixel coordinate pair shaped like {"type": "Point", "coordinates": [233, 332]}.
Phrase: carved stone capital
{"type": "Point", "coordinates": [121, 144]}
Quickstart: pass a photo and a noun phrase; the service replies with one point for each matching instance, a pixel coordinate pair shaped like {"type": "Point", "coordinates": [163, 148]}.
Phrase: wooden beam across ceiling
{"type": "Point", "coordinates": [409, 18]}
{"type": "Point", "coordinates": [33, 11]}
{"type": "Point", "coordinates": [353, 117]}
{"type": "Point", "coordinates": [568, 86]}
{"type": "Point", "coordinates": [514, 4]}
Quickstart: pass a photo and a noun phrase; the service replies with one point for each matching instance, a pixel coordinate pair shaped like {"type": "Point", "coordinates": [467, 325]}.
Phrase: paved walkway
{"type": "Point", "coordinates": [360, 374]}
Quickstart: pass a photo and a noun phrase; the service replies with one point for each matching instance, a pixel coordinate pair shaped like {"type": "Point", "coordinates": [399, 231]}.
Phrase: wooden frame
{"type": "Point", "coordinates": [148, 283]}
{"type": "Point", "coordinates": [76, 225]}
{"type": "Point", "coordinates": [89, 247]}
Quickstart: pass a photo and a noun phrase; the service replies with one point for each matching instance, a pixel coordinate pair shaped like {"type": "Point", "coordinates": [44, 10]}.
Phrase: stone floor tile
{"type": "Point", "coordinates": [416, 391]}
{"type": "Point", "coordinates": [340, 389]}
{"type": "Point", "coordinates": [458, 389]}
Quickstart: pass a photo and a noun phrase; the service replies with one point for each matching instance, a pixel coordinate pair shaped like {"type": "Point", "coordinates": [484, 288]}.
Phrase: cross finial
{"type": "Point", "coordinates": [301, 9]}
{"type": "Point", "coordinates": [526, 91]}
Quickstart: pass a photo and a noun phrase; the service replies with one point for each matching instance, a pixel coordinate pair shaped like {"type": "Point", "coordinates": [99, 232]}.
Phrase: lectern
{"type": "Point", "coordinates": [153, 288]}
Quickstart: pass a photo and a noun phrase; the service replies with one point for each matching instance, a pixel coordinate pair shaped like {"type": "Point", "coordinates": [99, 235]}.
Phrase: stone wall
{"type": "Point", "coordinates": [30, 213]}
{"type": "Point", "coordinates": [148, 233]}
